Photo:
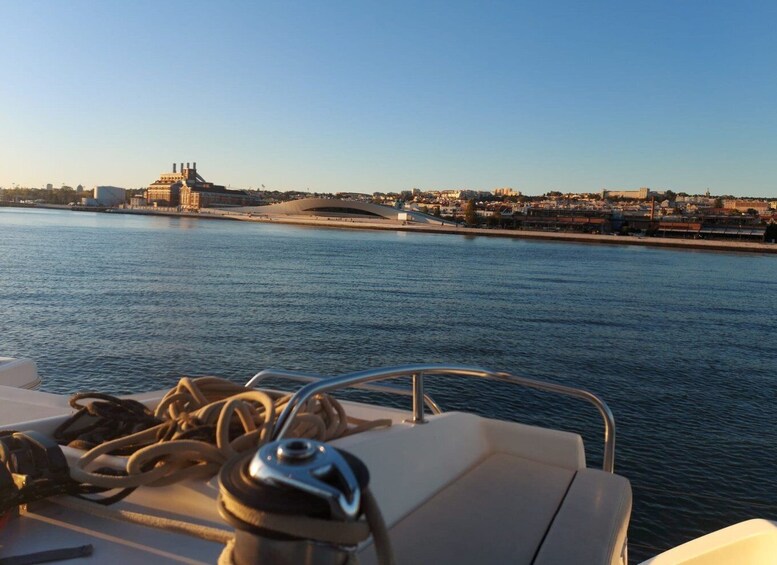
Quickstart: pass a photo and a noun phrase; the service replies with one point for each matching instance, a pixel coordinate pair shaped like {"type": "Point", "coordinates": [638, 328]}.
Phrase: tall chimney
{"type": "Point", "coordinates": [181, 167]}
{"type": "Point", "coordinates": [173, 167]}
{"type": "Point", "coordinates": [187, 165]}
{"type": "Point", "coordinates": [195, 165]}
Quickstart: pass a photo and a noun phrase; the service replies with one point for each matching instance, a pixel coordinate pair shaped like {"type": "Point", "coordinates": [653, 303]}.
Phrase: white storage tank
{"type": "Point", "coordinates": [109, 195]}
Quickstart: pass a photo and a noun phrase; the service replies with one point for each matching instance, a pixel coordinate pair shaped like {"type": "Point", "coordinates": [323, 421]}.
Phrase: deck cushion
{"type": "Point", "coordinates": [497, 512]}
{"type": "Point", "coordinates": [591, 525]}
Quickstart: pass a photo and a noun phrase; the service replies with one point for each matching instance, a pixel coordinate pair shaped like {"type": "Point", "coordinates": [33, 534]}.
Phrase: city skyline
{"type": "Point", "coordinates": [382, 98]}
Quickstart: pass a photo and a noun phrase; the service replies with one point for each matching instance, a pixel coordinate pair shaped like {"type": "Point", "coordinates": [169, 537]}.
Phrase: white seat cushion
{"type": "Point", "coordinates": [497, 512]}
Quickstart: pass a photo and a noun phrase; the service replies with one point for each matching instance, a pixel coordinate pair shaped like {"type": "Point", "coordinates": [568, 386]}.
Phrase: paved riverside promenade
{"type": "Point", "coordinates": [373, 224]}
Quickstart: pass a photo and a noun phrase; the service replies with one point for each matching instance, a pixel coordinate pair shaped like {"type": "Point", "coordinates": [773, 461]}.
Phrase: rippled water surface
{"type": "Point", "coordinates": [679, 343]}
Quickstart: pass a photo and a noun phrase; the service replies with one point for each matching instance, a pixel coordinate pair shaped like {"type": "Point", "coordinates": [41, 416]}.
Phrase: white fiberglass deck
{"type": "Point", "coordinates": [458, 489]}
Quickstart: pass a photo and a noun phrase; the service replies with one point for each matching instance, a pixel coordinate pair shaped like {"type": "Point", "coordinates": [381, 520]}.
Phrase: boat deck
{"type": "Point", "coordinates": [456, 489]}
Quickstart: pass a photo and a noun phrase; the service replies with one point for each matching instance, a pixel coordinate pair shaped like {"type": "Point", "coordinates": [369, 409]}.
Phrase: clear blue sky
{"type": "Point", "coordinates": [385, 96]}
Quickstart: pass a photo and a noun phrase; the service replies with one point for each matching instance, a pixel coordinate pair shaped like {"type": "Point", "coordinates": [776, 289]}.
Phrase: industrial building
{"type": "Point", "coordinates": [187, 189]}
{"type": "Point", "coordinates": [105, 197]}
{"type": "Point", "coordinates": [109, 195]}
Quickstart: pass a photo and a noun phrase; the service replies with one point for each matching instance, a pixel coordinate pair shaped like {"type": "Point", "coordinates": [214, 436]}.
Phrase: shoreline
{"type": "Point", "coordinates": [386, 225]}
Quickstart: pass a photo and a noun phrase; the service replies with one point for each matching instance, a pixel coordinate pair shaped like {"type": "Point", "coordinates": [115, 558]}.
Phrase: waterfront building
{"type": "Point", "coordinates": [711, 228]}
{"type": "Point", "coordinates": [109, 195]}
{"type": "Point", "coordinates": [186, 188]}
{"type": "Point", "coordinates": [208, 195]}
{"type": "Point", "coordinates": [555, 219]}
{"type": "Point", "coordinates": [330, 208]}
{"type": "Point", "coordinates": [166, 190]}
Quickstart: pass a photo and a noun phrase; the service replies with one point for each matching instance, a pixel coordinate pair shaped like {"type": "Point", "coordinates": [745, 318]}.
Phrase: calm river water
{"type": "Point", "coordinates": [679, 343]}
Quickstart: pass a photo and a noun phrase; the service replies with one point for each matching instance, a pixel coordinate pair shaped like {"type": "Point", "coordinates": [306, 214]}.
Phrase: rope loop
{"type": "Point", "coordinates": [195, 428]}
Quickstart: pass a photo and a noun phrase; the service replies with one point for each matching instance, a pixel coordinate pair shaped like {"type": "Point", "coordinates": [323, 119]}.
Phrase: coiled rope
{"type": "Point", "coordinates": [195, 428]}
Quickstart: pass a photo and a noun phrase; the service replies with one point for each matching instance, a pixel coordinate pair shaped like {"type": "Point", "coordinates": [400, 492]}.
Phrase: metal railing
{"type": "Point", "coordinates": [418, 372]}
{"type": "Point", "coordinates": [308, 378]}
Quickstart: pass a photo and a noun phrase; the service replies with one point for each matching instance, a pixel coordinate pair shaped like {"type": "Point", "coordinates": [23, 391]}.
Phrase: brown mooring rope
{"type": "Point", "coordinates": [194, 429]}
